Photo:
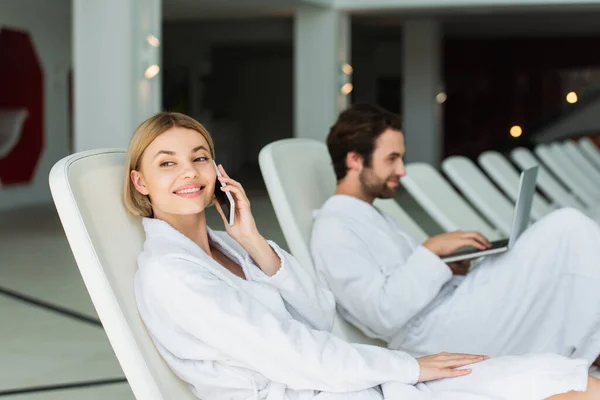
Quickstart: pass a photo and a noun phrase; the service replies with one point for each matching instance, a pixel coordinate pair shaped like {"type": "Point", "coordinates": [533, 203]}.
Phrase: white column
{"type": "Point", "coordinates": [422, 81]}
{"type": "Point", "coordinates": [321, 48]}
{"type": "Point", "coordinates": [111, 54]}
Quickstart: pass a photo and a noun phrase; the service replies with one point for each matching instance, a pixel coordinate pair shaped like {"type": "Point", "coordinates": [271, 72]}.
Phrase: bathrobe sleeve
{"type": "Point", "coordinates": [382, 297]}
{"type": "Point", "coordinates": [314, 304]}
{"type": "Point", "coordinates": [283, 350]}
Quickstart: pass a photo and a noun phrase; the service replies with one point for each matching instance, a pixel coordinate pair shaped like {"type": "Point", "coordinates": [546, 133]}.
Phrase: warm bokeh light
{"type": "Point", "coordinates": [441, 97]}
{"type": "Point", "coordinates": [152, 71]}
{"type": "Point", "coordinates": [153, 40]}
{"type": "Point", "coordinates": [516, 131]}
{"type": "Point", "coordinates": [347, 88]}
{"type": "Point", "coordinates": [347, 69]}
{"type": "Point", "coordinates": [572, 97]}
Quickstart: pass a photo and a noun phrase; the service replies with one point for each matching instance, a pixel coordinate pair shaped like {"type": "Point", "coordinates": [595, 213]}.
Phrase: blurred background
{"type": "Point", "coordinates": [465, 75]}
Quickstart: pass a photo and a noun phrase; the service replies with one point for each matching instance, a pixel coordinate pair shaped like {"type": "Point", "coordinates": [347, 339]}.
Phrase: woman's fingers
{"type": "Point", "coordinates": [222, 171]}
{"type": "Point", "coordinates": [462, 361]}
{"type": "Point", "coordinates": [240, 196]}
{"type": "Point", "coordinates": [459, 356]}
{"type": "Point", "coordinates": [453, 373]}
{"type": "Point", "coordinates": [227, 179]}
{"type": "Point", "coordinates": [232, 182]}
{"type": "Point", "coordinates": [444, 359]}
{"type": "Point", "coordinates": [469, 355]}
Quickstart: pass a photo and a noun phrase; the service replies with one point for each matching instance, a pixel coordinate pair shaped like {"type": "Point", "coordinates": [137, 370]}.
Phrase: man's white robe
{"type": "Point", "coordinates": [268, 337]}
{"type": "Point", "coordinates": [541, 296]}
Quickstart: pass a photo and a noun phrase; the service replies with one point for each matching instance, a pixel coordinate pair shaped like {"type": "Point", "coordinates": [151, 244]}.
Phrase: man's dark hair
{"type": "Point", "coordinates": [356, 130]}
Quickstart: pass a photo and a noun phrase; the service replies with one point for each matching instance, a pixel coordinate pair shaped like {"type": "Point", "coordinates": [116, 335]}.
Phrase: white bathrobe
{"type": "Point", "coordinates": [268, 337]}
{"type": "Point", "coordinates": [541, 296]}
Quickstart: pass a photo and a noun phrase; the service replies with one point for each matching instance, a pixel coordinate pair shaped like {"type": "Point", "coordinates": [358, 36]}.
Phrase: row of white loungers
{"type": "Point", "coordinates": [569, 176]}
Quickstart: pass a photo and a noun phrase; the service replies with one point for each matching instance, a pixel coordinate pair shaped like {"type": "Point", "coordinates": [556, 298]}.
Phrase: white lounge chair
{"type": "Point", "coordinates": [392, 207]}
{"type": "Point", "coordinates": [580, 159]}
{"type": "Point", "coordinates": [562, 166]}
{"type": "Point", "coordinates": [551, 187]}
{"type": "Point", "coordinates": [590, 150]}
{"type": "Point", "coordinates": [87, 191]}
{"type": "Point", "coordinates": [506, 176]}
{"type": "Point", "coordinates": [442, 202]}
{"type": "Point", "coordinates": [478, 189]}
{"type": "Point", "coordinates": [300, 178]}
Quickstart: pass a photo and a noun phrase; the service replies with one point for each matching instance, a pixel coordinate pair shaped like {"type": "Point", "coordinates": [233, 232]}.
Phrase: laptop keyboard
{"type": "Point", "coordinates": [496, 244]}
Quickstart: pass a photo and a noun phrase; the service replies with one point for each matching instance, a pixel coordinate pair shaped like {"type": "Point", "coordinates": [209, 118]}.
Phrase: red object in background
{"type": "Point", "coordinates": [22, 86]}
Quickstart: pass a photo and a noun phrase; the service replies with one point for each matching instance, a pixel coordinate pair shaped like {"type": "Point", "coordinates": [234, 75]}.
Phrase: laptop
{"type": "Point", "coordinates": [521, 217]}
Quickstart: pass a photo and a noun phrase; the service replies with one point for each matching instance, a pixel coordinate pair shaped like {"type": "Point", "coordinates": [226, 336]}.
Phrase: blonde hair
{"type": "Point", "coordinates": [135, 202]}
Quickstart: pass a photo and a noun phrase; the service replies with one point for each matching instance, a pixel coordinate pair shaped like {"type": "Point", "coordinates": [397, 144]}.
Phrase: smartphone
{"type": "Point", "coordinates": [225, 199]}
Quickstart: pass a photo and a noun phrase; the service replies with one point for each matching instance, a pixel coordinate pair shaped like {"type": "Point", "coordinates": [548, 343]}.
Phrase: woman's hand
{"type": "Point", "coordinates": [447, 243]}
{"type": "Point", "coordinates": [442, 365]}
{"type": "Point", "coordinates": [244, 229]}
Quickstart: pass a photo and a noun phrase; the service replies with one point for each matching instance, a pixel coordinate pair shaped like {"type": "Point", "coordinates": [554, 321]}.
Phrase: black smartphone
{"type": "Point", "coordinates": [224, 198]}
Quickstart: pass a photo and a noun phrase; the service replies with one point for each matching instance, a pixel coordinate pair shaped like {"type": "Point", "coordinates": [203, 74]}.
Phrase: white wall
{"type": "Point", "coordinates": [49, 24]}
{"type": "Point", "coordinates": [321, 46]}
{"type": "Point", "coordinates": [422, 75]}
{"type": "Point", "coordinates": [111, 53]}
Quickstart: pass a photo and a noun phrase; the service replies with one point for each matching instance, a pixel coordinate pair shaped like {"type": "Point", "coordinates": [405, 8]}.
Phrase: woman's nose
{"type": "Point", "coordinates": [189, 171]}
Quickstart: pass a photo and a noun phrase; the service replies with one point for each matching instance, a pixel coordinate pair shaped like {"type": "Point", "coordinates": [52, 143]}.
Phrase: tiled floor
{"type": "Point", "coordinates": [41, 348]}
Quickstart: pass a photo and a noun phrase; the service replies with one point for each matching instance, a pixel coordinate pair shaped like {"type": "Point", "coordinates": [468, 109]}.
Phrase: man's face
{"type": "Point", "coordinates": [382, 177]}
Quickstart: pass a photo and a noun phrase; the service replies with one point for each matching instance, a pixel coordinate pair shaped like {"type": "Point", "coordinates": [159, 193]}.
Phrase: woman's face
{"type": "Point", "coordinates": [177, 173]}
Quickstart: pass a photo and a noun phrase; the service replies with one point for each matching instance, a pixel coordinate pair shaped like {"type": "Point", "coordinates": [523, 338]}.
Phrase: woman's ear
{"type": "Point", "coordinates": [354, 161]}
{"type": "Point", "coordinates": [139, 183]}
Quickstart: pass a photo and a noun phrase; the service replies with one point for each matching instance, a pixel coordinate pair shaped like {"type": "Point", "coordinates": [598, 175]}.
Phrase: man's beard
{"type": "Point", "coordinates": [374, 187]}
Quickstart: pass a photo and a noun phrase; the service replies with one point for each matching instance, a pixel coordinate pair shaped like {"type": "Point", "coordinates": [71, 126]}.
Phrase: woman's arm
{"type": "Point", "coordinates": [313, 303]}
{"type": "Point", "coordinates": [283, 350]}
{"type": "Point", "coordinates": [244, 230]}
{"type": "Point", "coordinates": [261, 253]}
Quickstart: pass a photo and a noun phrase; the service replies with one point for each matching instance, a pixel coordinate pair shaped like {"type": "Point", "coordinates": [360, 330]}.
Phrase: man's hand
{"type": "Point", "coordinates": [460, 267]}
{"type": "Point", "coordinates": [442, 365]}
{"type": "Point", "coordinates": [447, 243]}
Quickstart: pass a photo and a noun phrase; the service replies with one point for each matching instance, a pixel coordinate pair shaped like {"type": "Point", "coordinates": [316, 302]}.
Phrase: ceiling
{"type": "Point", "coordinates": [219, 9]}
{"type": "Point", "coordinates": [527, 21]}
{"type": "Point", "coordinates": [506, 23]}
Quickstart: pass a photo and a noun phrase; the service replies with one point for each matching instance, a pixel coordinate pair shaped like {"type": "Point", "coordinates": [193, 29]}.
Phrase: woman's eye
{"type": "Point", "coordinates": [166, 163]}
{"type": "Point", "coordinates": [200, 159]}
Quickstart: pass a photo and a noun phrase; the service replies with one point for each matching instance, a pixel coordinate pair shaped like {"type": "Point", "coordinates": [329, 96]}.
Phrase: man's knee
{"type": "Point", "coordinates": [565, 218]}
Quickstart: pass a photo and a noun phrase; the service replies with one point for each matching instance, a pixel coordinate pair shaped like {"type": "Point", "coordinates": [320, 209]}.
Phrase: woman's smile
{"type": "Point", "coordinates": [190, 191]}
